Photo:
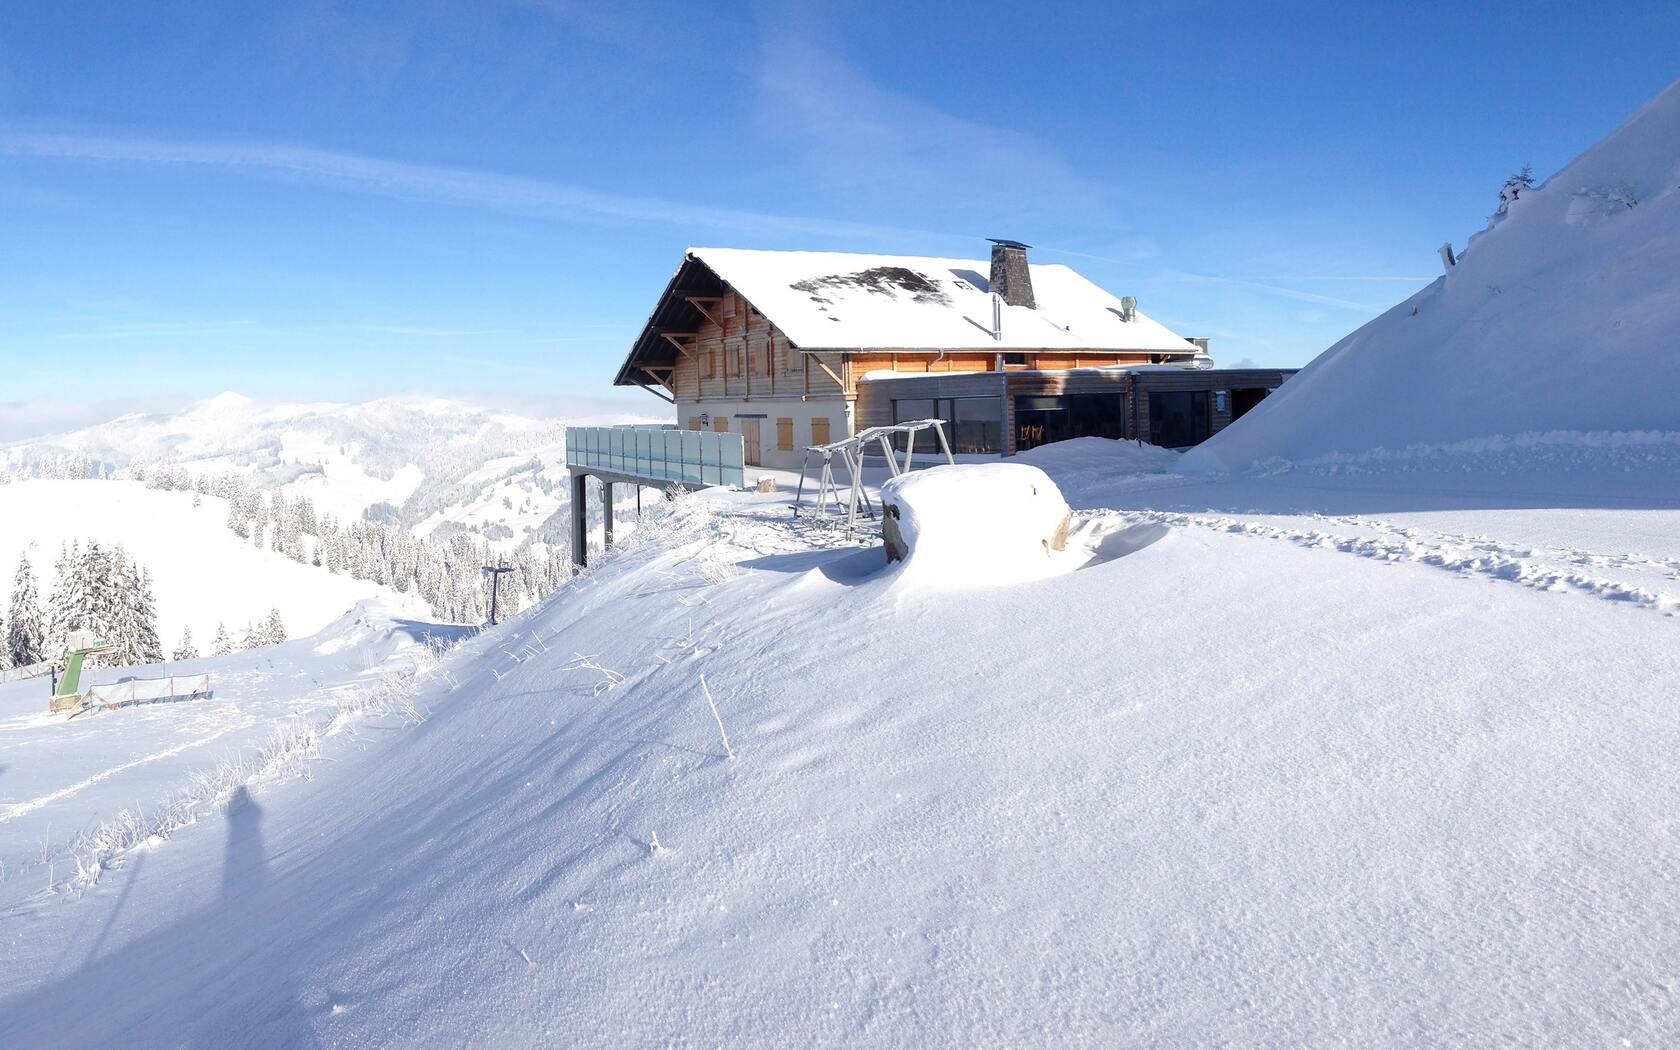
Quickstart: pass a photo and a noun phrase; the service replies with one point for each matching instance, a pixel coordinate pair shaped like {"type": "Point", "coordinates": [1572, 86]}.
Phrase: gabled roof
{"type": "Point", "coordinates": [838, 300]}
{"type": "Point", "coordinates": [845, 301]}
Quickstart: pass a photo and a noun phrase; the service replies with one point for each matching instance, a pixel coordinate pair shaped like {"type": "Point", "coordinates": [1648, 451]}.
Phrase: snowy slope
{"type": "Point", "coordinates": [1346, 781]}
{"type": "Point", "coordinates": [65, 779]}
{"type": "Point", "coordinates": [202, 573]}
{"type": "Point", "coordinates": [1559, 318]}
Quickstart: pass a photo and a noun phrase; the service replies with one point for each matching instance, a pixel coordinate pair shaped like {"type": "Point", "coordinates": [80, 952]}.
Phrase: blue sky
{"type": "Point", "coordinates": [342, 200]}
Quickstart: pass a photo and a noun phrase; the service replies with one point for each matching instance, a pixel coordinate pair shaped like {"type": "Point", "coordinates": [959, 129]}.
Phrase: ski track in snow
{"type": "Point", "coordinates": [20, 808]}
{"type": "Point", "coordinates": [1566, 569]}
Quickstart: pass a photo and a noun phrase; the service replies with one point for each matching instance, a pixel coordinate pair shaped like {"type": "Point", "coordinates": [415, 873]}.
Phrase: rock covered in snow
{"type": "Point", "coordinates": [975, 523]}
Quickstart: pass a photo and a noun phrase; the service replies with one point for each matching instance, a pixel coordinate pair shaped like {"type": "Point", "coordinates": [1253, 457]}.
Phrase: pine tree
{"type": "Point", "coordinates": [65, 607]}
{"type": "Point", "coordinates": [185, 650]}
{"type": "Point", "coordinates": [223, 644]}
{"type": "Point", "coordinates": [236, 519]}
{"type": "Point", "coordinates": [273, 629]}
{"type": "Point", "coordinates": [252, 639]}
{"type": "Point", "coordinates": [148, 646]}
{"type": "Point", "coordinates": [105, 610]}
{"type": "Point", "coordinates": [24, 640]}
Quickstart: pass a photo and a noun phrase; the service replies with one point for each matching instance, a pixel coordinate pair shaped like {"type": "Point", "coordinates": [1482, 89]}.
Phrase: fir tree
{"type": "Point", "coordinates": [147, 645]}
{"type": "Point", "coordinates": [273, 629]}
{"type": "Point", "coordinates": [185, 650]}
{"type": "Point", "coordinates": [252, 639]}
{"type": "Point", "coordinates": [25, 642]}
{"type": "Point", "coordinates": [65, 608]}
{"type": "Point", "coordinates": [223, 644]}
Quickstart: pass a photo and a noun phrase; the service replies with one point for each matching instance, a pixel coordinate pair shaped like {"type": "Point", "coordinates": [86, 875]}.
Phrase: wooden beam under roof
{"type": "Point", "coordinates": [675, 339]}
{"type": "Point", "coordinates": [671, 398]}
{"type": "Point", "coordinates": [700, 302]}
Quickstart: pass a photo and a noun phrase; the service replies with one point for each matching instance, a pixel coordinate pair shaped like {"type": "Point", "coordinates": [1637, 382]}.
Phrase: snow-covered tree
{"type": "Point", "coordinates": [252, 639]}
{"type": "Point", "coordinates": [66, 608]}
{"type": "Point", "coordinates": [25, 640]}
{"type": "Point", "coordinates": [1515, 187]}
{"type": "Point", "coordinates": [273, 628]}
{"type": "Point", "coordinates": [185, 650]}
{"type": "Point", "coordinates": [145, 642]}
{"type": "Point", "coordinates": [223, 643]}
{"type": "Point", "coordinates": [237, 521]}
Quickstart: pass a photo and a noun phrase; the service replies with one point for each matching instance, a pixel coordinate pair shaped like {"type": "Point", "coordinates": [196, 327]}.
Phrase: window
{"type": "Point", "coordinates": [1178, 417]}
{"type": "Point", "coordinates": [694, 422]}
{"type": "Point", "coordinates": [976, 424]}
{"type": "Point", "coordinates": [1015, 359]}
{"type": "Point", "coordinates": [784, 434]}
{"type": "Point", "coordinates": [972, 424]}
{"type": "Point", "coordinates": [715, 357]}
{"type": "Point", "coordinates": [819, 431]}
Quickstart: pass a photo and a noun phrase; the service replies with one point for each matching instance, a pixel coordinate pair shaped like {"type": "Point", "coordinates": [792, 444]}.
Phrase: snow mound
{"type": "Point", "coordinates": [1558, 317]}
{"type": "Point", "coordinates": [977, 524]}
{"type": "Point", "coordinates": [1105, 454]}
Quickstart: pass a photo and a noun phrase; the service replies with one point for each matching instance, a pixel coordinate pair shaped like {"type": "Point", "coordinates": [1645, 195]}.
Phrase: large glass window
{"type": "Point", "coordinates": [976, 424]}
{"type": "Point", "coordinates": [972, 424]}
{"type": "Point", "coordinates": [1178, 418]}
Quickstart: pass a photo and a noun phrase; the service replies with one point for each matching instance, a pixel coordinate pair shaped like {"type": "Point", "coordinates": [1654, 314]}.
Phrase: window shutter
{"type": "Point", "coordinates": [784, 434]}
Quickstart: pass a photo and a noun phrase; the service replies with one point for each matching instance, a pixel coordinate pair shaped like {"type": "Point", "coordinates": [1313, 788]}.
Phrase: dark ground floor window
{"type": "Point", "coordinates": [1178, 418]}
{"type": "Point", "coordinates": [1041, 420]}
{"type": "Point", "coordinates": [1243, 399]}
{"type": "Point", "coordinates": [972, 424]}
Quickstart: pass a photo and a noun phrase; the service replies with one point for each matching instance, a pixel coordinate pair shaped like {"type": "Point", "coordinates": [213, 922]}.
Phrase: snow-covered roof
{"type": "Point", "coordinates": [840, 300]}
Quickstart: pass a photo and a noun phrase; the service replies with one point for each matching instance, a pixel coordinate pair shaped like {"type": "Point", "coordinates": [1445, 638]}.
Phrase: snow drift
{"type": "Point", "coordinates": [1560, 317]}
{"type": "Point", "coordinates": [975, 524]}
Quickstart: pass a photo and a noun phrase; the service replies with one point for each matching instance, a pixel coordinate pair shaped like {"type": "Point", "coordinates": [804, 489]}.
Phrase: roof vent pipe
{"type": "Point", "coordinates": [1010, 276]}
{"type": "Point", "coordinates": [1128, 308]}
{"type": "Point", "coordinates": [997, 317]}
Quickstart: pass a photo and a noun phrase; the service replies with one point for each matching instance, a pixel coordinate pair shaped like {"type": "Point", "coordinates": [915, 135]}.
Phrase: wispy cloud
{"type": "Point", "coordinates": [1295, 294]}
{"type": "Point", "coordinates": [158, 330]}
{"type": "Point", "coordinates": [424, 182]}
{"type": "Point", "coordinates": [36, 417]}
{"type": "Point", "coordinates": [856, 136]}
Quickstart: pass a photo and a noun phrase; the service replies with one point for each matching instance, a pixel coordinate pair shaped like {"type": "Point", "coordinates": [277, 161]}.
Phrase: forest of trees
{"type": "Point", "coordinates": [449, 575]}
{"type": "Point", "coordinates": [106, 592]}
{"type": "Point", "coordinates": [98, 589]}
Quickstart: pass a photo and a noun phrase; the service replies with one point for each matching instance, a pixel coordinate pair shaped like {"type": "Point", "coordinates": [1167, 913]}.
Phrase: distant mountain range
{"type": "Point", "coordinates": [434, 465]}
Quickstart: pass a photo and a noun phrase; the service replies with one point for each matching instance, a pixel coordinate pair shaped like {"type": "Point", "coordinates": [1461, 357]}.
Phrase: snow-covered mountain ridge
{"type": "Point", "coordinates": [1558, 319]}
{"type": "Point", "coordinates": [435, 465]}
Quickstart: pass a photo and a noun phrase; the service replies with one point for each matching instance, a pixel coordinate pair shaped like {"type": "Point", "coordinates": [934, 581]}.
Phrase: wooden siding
{"type": "Point", "coordinates": [736, 353]}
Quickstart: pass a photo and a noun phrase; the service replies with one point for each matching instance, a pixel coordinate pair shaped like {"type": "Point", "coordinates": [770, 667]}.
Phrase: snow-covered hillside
{"type": "Point", "coordinates": [1257, 779]}
{"type": "Point", "coordinates": [1558, 322]}
{"type": "Point", "coordinates": [202, 574]}
{"type": "Point", "coordinates": [1376, 751]}
{"type": "Point", "coordinates": [436, 465]}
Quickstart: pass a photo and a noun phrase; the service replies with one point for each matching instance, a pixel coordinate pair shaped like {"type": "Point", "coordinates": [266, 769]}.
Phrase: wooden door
{"type": "Point", "coordinates": [750, 439]}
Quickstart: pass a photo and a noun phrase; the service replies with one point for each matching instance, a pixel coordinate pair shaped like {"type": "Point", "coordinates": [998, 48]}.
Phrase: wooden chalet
{"type": "Point", "coordinates": [792, 349]}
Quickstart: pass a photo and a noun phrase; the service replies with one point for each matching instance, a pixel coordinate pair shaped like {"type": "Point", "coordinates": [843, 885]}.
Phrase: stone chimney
{"type": "Point", "coordinates": [1010, 278]}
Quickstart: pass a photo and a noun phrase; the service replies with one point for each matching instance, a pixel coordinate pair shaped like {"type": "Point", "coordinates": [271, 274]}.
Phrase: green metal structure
{"type": "Point", "coordinates": [68, 695]}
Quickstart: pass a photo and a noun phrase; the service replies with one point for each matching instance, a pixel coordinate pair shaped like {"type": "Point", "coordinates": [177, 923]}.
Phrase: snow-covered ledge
{"type": "Point", "coordinates": [975, 524]}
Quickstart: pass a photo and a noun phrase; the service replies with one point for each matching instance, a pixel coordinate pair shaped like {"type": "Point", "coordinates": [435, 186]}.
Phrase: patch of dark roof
{"type": "Point", "coordinates": [880, 280]}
